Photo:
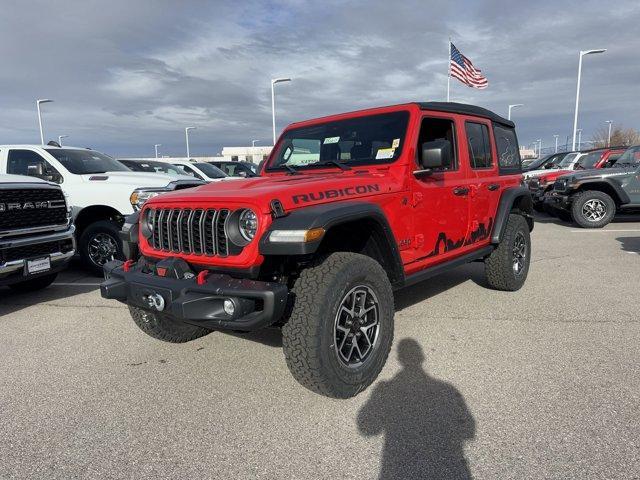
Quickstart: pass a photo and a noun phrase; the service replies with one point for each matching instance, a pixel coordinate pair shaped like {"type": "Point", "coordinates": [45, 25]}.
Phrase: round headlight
{"type": "Point", "coordinates": [248, 224]}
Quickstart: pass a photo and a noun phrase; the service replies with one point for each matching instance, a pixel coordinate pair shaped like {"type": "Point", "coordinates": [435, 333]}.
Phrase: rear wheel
{"type": "Point", "coordinates": [99, 244]}
{"type": "Point", "coordinates": [163, 328]}
{"type": "Point", "coordinates": [508, 265]}
{"type": "Point", "coordinates": [593, 209]}
{"type": "Point", "coordinates": [34, 284]}
{"type": "Point", "coordinates": [339, 333]}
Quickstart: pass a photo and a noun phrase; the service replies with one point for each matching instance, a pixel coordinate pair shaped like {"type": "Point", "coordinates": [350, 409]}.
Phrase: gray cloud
{"type": "Point", "coordinates": [126, 75]}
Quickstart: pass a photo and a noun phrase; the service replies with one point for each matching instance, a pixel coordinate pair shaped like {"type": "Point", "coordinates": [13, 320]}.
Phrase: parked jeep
{"type": "Point", "coordinates": [349, 208]}
{"type": "Point", "coordinates": [591, 198]}
{"type": "Point", "coordinates": [36, 234]}
{"type": "Point", "coordinates": [101, 192]}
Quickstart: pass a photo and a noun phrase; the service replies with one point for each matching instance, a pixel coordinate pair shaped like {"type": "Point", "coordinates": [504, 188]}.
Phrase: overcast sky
{"type": "Point", "coordinates": [128, 74]}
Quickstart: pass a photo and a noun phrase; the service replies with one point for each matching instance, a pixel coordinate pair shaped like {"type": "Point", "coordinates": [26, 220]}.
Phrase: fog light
{"type": "Point", "coordinates": [229, 307]}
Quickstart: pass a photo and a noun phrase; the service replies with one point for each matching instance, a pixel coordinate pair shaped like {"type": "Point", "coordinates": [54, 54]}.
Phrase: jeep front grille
{"type": "Point", "coordinates": [189, 231]}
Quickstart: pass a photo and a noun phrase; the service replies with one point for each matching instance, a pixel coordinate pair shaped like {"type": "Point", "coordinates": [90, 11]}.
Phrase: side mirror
{"type": "Point", "coordinates": [434, 155]}
{"type": "Point", "coordinates": [36, 170]}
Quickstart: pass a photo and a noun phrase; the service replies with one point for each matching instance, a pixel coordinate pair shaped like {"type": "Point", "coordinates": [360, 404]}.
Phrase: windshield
{"type": "Point", "coordinates": [152, 167]}
{"type": "Point", "coordinates": [354, 141]}
{"type": "Point", "coordinates": [590, 160]}
{"type": "Point", "coordinates": [629, 158]}
{"type": "Point", "coordinates": [84, 162]}
{"type": "Point", "coordinates": [568, 160]}
{"type": "Point", "coordinates": [533, 165]}
{"type": "Point", "coordinates": [210, 171]}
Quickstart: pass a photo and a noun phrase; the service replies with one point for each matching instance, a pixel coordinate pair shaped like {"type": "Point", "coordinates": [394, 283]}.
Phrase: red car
{"type": "Point", "coordinates": [348, 208]}
{"type": "Point", "coordinates": [601, 158]}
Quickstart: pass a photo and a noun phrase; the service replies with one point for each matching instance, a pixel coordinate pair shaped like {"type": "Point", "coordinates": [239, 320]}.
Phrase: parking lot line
{"type": "Point", "coordinates": [79, 284]}
{"type": "Point", "coordinates": [603, 231]}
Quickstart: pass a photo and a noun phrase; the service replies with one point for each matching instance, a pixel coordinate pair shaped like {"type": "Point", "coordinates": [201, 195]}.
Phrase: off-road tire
{"type": "Point", "coordinates": [34, 284]}
{"type": "Point", "coordinates": [163, 328]}
{"type": "Point", "coordinates": [107, 227]}
{"type": "Point", "coordinates": [499, 266]}
{"type": "Point", "coordinates": [308, 335]}
{"type": "Point", "coordinates": [579, 201]}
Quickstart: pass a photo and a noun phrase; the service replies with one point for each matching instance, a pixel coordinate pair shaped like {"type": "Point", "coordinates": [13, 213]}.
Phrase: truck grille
{"type": "Point", "coordinates": [560, 185]}
{"type": "Point", "coordinates": [189, 231]}
{"type": "Point", "coordinates": [35, 250]}
{"type": "Point", "coordinates": [18, 208]}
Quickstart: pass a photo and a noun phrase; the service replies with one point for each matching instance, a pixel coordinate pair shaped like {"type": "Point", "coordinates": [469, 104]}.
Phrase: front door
{"type": "Point", "coordinates": [440, 199]}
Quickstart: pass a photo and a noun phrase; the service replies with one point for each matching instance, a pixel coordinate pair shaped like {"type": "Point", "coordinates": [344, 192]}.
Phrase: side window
{"type": "Point", "coordinates": [439, 129]}
{"type": "Point", "coordinates": [508, 151]}
{"type": "Point", "coordinates": [28, 162]}
{"type": "Point", "coordinates": [479, 145]}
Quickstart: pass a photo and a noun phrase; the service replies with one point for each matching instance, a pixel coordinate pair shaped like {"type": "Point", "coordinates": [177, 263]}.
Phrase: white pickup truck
{"type": "Point", "coordinates": [100, 190]}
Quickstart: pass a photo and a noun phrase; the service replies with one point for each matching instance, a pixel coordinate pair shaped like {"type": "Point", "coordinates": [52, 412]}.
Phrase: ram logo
{"type": "Point", "coordinates": [41, 205]}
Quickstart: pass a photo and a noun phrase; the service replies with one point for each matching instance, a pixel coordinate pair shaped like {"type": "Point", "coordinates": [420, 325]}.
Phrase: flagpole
{"type": "Point", "coordinates": [449, 72]}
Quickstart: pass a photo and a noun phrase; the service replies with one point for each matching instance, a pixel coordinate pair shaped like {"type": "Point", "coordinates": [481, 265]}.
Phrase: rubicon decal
{"type": "Point", "coordinates": [335, 193]}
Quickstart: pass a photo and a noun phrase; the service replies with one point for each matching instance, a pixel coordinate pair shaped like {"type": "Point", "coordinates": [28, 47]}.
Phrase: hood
{"type": "Point", "coordinates": [537, 173]}
{"type": "Point", "coordinates": [294, 191]}
{"type": "Point", "coordinates": [136, 179]}
{"type": "Point", "coordinates": [5, 178]}
{"type": "Point", "coordinates": [598, 173]}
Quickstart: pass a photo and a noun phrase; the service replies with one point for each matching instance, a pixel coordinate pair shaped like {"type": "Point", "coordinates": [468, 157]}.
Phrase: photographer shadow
{"type": "Point", "coordinates": [425, 422]}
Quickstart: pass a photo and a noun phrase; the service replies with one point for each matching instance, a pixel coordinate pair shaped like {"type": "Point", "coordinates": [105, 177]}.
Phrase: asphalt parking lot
{"type": "Point", "coordinates": [541, 383]}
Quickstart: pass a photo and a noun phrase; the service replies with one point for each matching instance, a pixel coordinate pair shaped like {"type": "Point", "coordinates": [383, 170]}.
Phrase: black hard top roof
{"type": "Point", "coordinates": [466, 109]}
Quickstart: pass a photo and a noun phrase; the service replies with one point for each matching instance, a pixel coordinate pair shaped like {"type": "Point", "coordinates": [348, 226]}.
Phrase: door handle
{"type": "Point", "coordinates": [494, 186]}
{"type": "Point", "coordinates": [461, 191]}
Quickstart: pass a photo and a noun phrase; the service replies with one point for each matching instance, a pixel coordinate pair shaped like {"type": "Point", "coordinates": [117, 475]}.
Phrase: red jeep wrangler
{"type": "Point", "coordinates": [349, 208]}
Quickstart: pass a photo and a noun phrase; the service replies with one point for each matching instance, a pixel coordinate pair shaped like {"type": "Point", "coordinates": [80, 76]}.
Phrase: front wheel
{"type": "Point", "coordinates": [161, 327]}
{"type": "Point", "coordinates": [339, 333]}
{"type": "Point", "coordinates": [508, 265]}
{"type": "Point", "coordinates": [593, 209]}
{"type": "Point", "coordinates": [99, 244]}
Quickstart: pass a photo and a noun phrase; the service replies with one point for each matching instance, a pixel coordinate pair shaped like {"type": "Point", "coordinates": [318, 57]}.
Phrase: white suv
{"type": "Point", "coordinates": [100, 191]}
{"type": "Point", "coordinates": [568, 163]}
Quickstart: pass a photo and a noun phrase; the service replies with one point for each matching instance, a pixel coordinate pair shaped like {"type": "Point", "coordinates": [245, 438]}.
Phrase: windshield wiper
{"type": "Point", "coordinates": [292, 171]}
{"type": "Point", "coordinates": [341, 165]}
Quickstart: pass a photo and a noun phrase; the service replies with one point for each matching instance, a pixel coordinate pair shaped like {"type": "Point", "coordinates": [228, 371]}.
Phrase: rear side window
{"type": "Point", "coordinates": [508, 151]}
{"type": "Point", "coordinates": [19, 161]}
{"type": "Point", "coordinates": [479, 145]}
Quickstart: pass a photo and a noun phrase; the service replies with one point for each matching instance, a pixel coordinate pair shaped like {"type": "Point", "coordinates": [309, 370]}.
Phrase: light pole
{"type": "Point", "coordinates": [273, 103]}
{"type": "Point", "coordinates": [60, 137]}
{"type": "Point", "coordinates": [513, 106]}
{"type": "Point", "coordinates": [575, 116]}
{"type": "Point", "coordinates": [579, 139]}
{"type": "Point", "coordinates": [38, 102]}
{"type": "Point", "coordinates": [186, 135]}
{"type": "Point", "coordinates": [156, 147]}
{"type": "Point", "coordinates": [539, 147]}
{"type": "Point", "coordinates": [609, 135]}
{"type": "Point", "coordinates": [556, 137]}
{"type": "Point", "coordinates": [253, 142]}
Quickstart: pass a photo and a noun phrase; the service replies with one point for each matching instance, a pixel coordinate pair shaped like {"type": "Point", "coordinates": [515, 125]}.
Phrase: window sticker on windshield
{"type": "Point", "coordinates": [385, 153]}
{"type": "Point", "coordinates": [396, 143]}
{"type": "Point", "coordinates": [331, 140]}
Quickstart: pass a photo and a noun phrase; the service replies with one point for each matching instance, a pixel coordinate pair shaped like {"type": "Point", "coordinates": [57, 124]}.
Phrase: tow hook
{"type": "Point", "coordinates": [155, 300]}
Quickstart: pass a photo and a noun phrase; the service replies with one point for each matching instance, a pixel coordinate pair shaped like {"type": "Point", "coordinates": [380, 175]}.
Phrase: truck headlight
{"type": "Point", "coordinates": [241, 226]}
{"type": "Point", "coordinates": [141, 195]}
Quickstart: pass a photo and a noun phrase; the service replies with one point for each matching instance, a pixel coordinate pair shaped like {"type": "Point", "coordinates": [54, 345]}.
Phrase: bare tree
{"type": "Point", "coordinates": [619, 136]}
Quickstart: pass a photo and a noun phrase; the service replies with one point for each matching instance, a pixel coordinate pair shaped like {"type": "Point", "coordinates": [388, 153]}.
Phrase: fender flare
{"type": "Point", "coordinates": [508, 199]}
{"type": "Point", "coordinates": [622, 195]}
{"type": "Point", "coordinates": [327, 216]}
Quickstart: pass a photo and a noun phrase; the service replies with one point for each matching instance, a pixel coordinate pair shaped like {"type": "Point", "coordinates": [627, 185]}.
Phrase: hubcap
{"type": "Point", "coordinates": [102, 248]}
{"type": "Point", "coordinates": [519, 253]}
{"type": "Point", "coordinates": [357, 326]}
{"type": "Point", "coordinates": [594, 210]}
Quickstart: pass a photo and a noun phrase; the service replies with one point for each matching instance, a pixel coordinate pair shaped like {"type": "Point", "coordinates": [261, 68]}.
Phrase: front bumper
{"type": "Point", "coordinates": [257, 303]}
{"type": "Point", "coordinates": [558, 200]}
{"type": "Point", "coordinates": [14, 252]}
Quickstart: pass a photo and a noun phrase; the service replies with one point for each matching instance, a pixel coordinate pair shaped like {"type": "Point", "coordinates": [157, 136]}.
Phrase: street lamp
{"type": "Point", "coordinates": [38, 102]}
{"type": "Point", "coordinates": [609, 135]}
{"type": "Point", "coordinates": [273, 103]}
{"type": "Point", "coordinates": [186, 134]}
{"type": "Point", "coordinates": [539, 147]}
{"type": "Point", "coordinates": [159, 145]}
{"type": "Point", "coordinates": [513, 106]}
{"type": "Point", "coordinates": [253, 142]}
{"type": "Point", "coordinates": [579, 139]}
{"type": "Point", "coordinates": [60, 137]}
{"type": "Point", "coordinates": [556, 137]}
{"type": "Point", "coordinates": [575, 116]}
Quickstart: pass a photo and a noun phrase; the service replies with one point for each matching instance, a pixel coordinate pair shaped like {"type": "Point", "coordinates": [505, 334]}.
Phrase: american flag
{"type": "Point", "coordinates": [462, 69]}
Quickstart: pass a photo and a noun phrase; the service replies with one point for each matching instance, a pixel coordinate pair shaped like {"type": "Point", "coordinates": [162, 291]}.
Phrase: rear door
{"type": "Point", "coordinates": [485, 186]}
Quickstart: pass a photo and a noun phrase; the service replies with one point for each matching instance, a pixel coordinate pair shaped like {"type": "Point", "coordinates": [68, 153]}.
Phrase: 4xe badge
{"type": "Point", "coordinates": [13, 206]}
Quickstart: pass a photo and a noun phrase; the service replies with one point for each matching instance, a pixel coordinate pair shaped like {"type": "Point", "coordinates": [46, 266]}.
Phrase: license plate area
{"type": "Point", "coordinates": [34, 266]}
